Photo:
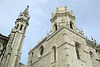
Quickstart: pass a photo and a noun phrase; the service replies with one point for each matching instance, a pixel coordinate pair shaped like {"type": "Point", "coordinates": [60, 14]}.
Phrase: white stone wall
{"type": "Point", "coordinates": [67, 41]}
{"type": "Point", "coordinates": [64, 40]}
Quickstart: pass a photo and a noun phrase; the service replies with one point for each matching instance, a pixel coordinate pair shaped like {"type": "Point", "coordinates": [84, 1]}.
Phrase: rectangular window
{"type": "Point", "coordinates": [77, 47]}
{"type": "Point", "coordinates": [17, 26]}
{"type": "Point", "coordinates": [21, 27]}
{"type": "Point", "coordinates": [77, 52]}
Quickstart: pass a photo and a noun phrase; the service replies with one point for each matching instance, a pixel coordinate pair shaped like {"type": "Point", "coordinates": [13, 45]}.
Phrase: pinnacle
{"type": "Point", "coordinates": [26, 11]}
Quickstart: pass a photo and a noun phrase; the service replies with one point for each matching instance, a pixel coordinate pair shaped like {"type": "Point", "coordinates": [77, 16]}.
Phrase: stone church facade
{"type": "Point", "coordinates": [64, 46]}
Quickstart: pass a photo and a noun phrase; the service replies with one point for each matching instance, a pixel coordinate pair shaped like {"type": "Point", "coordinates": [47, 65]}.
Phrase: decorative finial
{"type": "Point", "coordinates": [27, 6]}
{"type": "Point", "coordinates": [57, 9]}
{"type": "Point", "coordinates": [26, 11]}
{"type": "Point", "coordinates": [95, 41]}
{"type": "Point", "coordinates": [81, 31]}
{"type": "Point", "coordinates": [92, 38]}
{"type": "Point", "coordinates": [21, 12]}
{"type": "Point", "coordinates": [47, 34]}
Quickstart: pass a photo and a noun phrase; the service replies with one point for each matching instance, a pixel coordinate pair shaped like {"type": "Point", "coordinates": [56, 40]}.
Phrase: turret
{"type": "Point", "coordinates": [62, 17]}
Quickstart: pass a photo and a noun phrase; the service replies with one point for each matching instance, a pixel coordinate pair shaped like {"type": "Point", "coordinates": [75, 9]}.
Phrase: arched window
{"type": "Point", "coordinates": [54, 53]}
{"type": "Point", "coordinates": [32, 54]}
{"type": "Point", "coordinates": [71, 25]}
{"type": "Point", "coordinates": [77, 50]}
{"type": "Point", "coordinates": [55, 27]}
{"type": "Point", "coordinates": [41, 50]}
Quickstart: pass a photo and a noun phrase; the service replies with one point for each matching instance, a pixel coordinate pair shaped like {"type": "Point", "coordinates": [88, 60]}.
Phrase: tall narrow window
{"type": "Point", "coordinates": [21, 27]}
{"type": "Point", "coordinates": [17, 26]}
{"type": "Point", "coordinates": [54, 53]}
{"type": "Point", "coordinates": [71, 25]}
{"type": "Point", "coordinates": [41, 50]}
{"type": "Point", "coordinates": [55, 27]}
{"type": "Point", "coordinates": [0, 45]}
{"type": "Point", "coordinates": [77, 50]}
{"type": "Point", "coordinates": [32, 54]}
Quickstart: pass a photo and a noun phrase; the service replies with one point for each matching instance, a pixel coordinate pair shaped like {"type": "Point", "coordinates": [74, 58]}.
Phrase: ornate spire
{"type": "Point", "coordinates": [24, 15]}
{"type": "Point", "coordinates": [26, 11]}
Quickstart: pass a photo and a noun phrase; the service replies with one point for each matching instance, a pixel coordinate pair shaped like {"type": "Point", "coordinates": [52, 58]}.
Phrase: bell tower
{"type": "Point", "coordinates": [16, 38]}
{"type": "Point", "coordinates": [62, 17]}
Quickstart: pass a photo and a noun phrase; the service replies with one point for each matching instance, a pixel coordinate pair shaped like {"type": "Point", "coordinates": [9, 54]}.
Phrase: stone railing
{"type": "Point", "coordinates": [91, 43]}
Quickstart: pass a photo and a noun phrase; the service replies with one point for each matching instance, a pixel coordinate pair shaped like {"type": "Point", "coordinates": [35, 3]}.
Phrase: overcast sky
{"type": "Point", "coordinates": [87, 13]}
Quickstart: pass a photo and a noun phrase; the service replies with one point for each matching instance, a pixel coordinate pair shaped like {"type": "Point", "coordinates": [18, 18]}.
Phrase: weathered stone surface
{"type": "Point", "coordinates": [11, 57]}
{"type": "Point", "coordinates": [66, 46]}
